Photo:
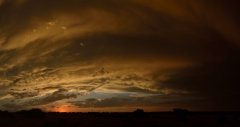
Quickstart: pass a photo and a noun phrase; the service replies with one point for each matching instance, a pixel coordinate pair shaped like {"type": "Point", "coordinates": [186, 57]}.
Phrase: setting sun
{"type": "Point", "coordinates": [62, 109]}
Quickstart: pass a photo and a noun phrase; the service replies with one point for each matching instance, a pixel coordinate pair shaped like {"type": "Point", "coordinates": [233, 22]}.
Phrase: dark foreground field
{"type": "Point", "coordinates": [135, 119]}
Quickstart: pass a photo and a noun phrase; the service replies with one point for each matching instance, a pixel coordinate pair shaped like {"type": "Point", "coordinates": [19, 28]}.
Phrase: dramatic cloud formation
{"type": "Point", "coordinates": [111, 54]}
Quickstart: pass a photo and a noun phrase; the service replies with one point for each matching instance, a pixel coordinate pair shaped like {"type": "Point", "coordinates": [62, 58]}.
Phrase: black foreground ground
{"type": "Point", "coordinates": [35, 118]}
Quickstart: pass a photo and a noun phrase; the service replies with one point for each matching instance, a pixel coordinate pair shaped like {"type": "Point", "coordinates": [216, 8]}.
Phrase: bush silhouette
{"type": "Point", "coordinates": [139, 112]}
{"type": "Point", "coordinates": [33, 113]}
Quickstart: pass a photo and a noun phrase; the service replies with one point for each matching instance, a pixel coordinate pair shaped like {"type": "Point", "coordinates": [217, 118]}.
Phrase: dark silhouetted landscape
{"type": "Point", "coordinates": [138, 118]}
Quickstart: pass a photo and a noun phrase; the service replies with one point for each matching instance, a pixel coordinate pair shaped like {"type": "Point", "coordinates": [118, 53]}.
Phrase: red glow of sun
{"type": "Point", "coordinates": [62, 109]}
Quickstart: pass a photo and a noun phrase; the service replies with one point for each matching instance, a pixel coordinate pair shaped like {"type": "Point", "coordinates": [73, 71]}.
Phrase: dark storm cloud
{"type": "Point", "coordinates": [55, 96]}
{"type": "Point", "coordinates": [217, 83]}
{"type": "Point", "coordinates": [16, 105]}
{"type": "Point", "coordinates": [134, 101]}
{"type": "Point", "coordinates": [133, 46]}
{"type": "Point", "coordinates": [23, 94]}
{"type": "Point", "coordinates": [165, 34]}
{"type": "Point", "coordinates": [12, 107]}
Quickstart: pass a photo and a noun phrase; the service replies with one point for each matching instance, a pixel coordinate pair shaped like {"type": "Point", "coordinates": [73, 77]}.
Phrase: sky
{"type": "Point", "coordinates": [119, 55]}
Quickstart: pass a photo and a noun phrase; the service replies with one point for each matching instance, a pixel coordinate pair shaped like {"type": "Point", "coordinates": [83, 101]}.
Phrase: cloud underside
{"type": "Point", "coordinates": [126, 53]}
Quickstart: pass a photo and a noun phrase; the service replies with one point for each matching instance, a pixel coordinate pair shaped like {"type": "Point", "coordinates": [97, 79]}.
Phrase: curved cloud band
{"type": "Point", "coordinates": [111, 53]}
